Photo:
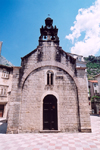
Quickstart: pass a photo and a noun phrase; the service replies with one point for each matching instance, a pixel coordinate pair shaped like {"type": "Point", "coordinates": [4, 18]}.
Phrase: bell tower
{"type": "Point", "coordinates": [48, 32]}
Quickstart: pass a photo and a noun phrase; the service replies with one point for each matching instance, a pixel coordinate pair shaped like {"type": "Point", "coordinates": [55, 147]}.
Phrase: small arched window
{"type": "Point", "coordinates": [50, 75]}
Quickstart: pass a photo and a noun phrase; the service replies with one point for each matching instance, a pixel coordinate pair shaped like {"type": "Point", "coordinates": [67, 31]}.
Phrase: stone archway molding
{"type": "Point", "coordinates": [50, 93]}
{"type": "Point", "coordinates": [52, 64]}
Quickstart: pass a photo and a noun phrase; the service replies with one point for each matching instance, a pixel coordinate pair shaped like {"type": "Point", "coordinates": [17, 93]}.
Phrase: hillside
{"type": "Point", "coordinates": [93, 66]}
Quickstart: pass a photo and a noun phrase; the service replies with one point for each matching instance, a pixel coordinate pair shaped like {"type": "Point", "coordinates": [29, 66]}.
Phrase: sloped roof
{"type": "Point", "coordinates": [39, 47]}
{"type": "Point", "coordinates": [5, 62]}
{"type": "Point", "coordinates": [94, 81]}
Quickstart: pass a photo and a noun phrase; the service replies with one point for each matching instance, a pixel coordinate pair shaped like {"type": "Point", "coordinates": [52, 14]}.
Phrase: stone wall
{"type": "Point", "coordinates": [83, 101]}
{"type": "Point", "coordinates": [35, 86]}
{"type": "Point", "coordinates": [14, 103]}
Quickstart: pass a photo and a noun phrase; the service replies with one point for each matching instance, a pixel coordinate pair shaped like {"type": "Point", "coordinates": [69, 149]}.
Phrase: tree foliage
{"type": "Point", "coordinates": [93, 66]}
{"type": "Point", "coordinates": [95, 97]}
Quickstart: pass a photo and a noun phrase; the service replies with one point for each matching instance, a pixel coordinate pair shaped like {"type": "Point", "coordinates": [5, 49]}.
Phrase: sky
{"type": "Point", "coordinates": [78, 23]}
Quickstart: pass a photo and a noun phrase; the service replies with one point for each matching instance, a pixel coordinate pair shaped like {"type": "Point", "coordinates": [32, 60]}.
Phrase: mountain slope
{"type": "Point", "coordinates": [93, 66]}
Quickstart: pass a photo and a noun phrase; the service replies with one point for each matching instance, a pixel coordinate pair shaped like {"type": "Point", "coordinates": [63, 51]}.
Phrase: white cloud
{"type": "Point", "coordinates": [88, 21]}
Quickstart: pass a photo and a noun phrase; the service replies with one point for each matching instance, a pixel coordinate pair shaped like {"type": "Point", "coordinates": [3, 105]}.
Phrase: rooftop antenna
{"type": "Point", "coordinates": [48, 14]}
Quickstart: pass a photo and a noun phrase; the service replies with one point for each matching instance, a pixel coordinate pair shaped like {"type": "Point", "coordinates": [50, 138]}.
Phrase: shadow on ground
{"type": "Point", "coordinates": [3, 127]}
{"type": "Point", "coordinates": [95, 115]}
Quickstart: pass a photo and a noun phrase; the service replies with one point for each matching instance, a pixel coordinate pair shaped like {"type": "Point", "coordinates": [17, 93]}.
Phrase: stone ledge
{"type": "Point", "coordinates": [3, 119]}
{"type": "Point", "coordinates": [86, 130]}
{"type": "Point", "coordinates": [49, 131]}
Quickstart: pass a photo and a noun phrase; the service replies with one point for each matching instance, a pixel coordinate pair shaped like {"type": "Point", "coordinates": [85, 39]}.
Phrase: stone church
{"type": "Point", "coordinates": [49, 90]}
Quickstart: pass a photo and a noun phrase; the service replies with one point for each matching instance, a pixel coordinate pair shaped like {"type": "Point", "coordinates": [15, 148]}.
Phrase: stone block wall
{"type": "Point", "coordinates": [31, 103]}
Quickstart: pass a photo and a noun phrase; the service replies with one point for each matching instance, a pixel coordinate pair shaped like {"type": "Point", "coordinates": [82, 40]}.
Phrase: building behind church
{"type": "Point", "coordinates": [6, 74]}
{"type": "Point", "coordinates": [49, 90]}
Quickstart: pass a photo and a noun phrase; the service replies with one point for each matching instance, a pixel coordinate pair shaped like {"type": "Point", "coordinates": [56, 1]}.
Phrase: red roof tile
{"type": "Point", "coordinates": [95, 81]}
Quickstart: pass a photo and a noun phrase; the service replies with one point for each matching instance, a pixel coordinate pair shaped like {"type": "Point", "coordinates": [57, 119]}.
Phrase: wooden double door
{"type": "Point", "coordinates": [50, 113]}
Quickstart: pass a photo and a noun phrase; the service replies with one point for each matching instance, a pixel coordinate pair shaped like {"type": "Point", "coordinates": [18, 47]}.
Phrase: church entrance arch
{"type": "Point", "coordinates": [50, 121]}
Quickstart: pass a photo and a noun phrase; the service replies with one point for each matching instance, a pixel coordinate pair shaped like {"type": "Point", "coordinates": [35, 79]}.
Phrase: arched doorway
{"type": "Point", "coordinates": [50, 113]}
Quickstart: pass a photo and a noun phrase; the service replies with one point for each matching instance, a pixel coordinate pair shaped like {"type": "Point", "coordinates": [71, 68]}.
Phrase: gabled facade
{"type": "Point", "coordinates": [49, 90]}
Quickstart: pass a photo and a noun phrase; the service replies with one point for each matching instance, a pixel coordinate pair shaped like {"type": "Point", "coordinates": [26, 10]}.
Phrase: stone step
{"type": "Point", "coordinates": [49, 131]}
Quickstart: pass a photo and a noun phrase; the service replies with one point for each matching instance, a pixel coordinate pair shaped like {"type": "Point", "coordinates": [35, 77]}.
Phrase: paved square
{"type": "Point", "coordinates": [54, 141]}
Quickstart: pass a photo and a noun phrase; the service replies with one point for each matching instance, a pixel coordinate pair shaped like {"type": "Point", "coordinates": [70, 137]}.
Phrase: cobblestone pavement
{"type": "Point", "coordinates": [54, 141]}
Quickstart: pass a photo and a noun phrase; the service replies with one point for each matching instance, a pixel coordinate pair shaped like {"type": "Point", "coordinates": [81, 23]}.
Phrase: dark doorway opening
{"type": "Point", "coordinates": [1, 110]}
{"type": "Point", "coordinates": [50, 113]}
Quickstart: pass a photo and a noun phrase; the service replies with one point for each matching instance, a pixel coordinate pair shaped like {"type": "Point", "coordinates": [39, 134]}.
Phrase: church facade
{"type": "Point", "coordinates": [49, 90]}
